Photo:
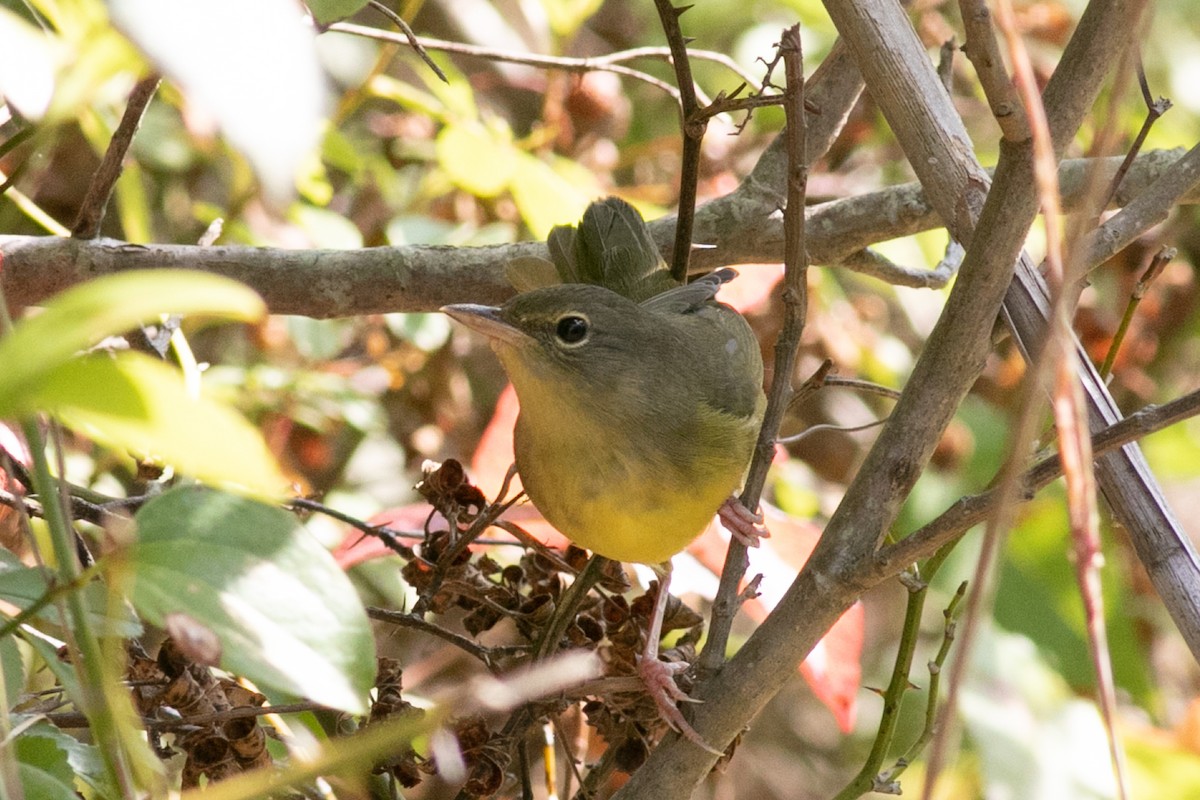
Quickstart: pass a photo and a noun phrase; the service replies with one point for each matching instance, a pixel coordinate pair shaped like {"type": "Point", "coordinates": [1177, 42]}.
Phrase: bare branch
{"type": "Point", "coordinates": [692, 126]}
{"type": "Point", "coordinates": [602, 64]}
{"type": "Point", "coordinates": [983, 51]}
{"type": "Point", "coordinates": [795, 299]}
{"type": "Point", "coordinates": [745, 227]}
{"type": "Point", "coordinates": [91, 213]}
{"type": "Point", "coordinates": [1147, 210]}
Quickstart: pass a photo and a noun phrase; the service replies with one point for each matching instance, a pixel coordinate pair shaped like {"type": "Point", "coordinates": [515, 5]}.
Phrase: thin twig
{"type": "Point", "coordinates": [80, 509]}
{"type": "Point", "coordinates": [863, 386]}
{"type": "Point", "coordinates": [1157, 264]}
{"type": "Point", "coordinates": [487, 655]}
{"type": "Point", "coordinates": [566, 64]}
{"type": "Point", "coordinates": [383, 533]}
{"type": "Point", "coordinates": [693, 135]}
{"type": "Point", "coordinates": [1154, 110]}
{"type": "Point", "coordinates": [795, 299]}
{"type": "Point", "coordinates": [575, 65]}
{"type": "Point", "coordinates": [14, 141]}
{"type": "Point", "coordinates": [664, 54]}
{"type": "Point", "coordinates": [950, 614]}
{"type": "Point", "coordinates": [804, 434]}
{"type": "Point", "coordinates": [413, 41]}
{"type": "Point", "coordinates": [72, 719]}
{"type": "Point", "coordinates": [727, 104]}
{"type": "Point", "coordinates": [871, 263]}
{"type": "Point", "coordinates": [95, 202]}
{"type": "Point", "coordinates": [1067, 400]}
{"type": "Point", "coordinates": [969, 511]}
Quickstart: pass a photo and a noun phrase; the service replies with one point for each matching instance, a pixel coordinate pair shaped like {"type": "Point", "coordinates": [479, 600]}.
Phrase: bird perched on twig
{"type": "Point", "coordinates": [640, 400]}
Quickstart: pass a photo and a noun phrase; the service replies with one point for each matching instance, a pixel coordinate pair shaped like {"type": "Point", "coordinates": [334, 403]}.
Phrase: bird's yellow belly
{"type": "Point", "coordinates": [620, 502]}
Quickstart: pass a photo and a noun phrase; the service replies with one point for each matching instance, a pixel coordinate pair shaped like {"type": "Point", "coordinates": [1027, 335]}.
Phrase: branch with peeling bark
{"type": "Point", "coordinates": [745, 227]}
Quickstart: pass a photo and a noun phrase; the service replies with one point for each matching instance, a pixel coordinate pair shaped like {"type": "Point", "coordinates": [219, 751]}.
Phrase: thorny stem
{"type": "Point", "coordinates": [935, 679]}
{"type": "Point", "coordinates": [795, 300]}
{"type": "Point", "coordinates": [869, 778]}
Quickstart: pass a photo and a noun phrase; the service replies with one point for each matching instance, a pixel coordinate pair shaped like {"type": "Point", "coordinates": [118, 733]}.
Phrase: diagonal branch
{"type": "Point", "coordinates": [919, 111]}
{"type": "Point", "coordinates": [95, 202]}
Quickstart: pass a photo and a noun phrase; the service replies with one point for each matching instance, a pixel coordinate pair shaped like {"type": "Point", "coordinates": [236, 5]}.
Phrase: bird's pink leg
{"type": "Point", "coordinates": [659, 676]}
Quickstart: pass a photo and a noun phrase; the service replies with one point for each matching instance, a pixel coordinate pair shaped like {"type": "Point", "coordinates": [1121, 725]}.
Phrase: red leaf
{"type": "Point", "coordinates": [494, 455]}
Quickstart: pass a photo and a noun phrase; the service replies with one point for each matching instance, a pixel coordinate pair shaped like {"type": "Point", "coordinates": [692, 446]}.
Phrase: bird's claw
{"type": "Point", "coordinates": [659, 679]}
{"type": "Point", "coordinates": [743, 524]}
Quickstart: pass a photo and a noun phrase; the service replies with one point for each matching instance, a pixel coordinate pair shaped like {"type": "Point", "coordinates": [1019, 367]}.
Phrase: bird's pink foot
{"type": "Point", "coordinates": [659, 678]}
{"type": "Point", "coordinates": [743, 524]}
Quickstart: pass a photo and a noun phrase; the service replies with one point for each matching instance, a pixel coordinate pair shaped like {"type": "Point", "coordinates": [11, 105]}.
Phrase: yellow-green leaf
{"type": "Point", "coordinates": [133, 402]}
{"type": "Point", "coordinates": [567, 15]}
{"type": "Point", "coordinates": [327, 11]}
{"type": "Point", "coordinates": [478, 159]}
{"type": "Point", "coordinates": [82, 316]}
{"type": "Point", "coordinates": [545, 198]}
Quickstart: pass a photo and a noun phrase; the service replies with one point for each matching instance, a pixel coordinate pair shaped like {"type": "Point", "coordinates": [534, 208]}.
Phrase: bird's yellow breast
{"type": "Point", "coordinates": [630, 498]}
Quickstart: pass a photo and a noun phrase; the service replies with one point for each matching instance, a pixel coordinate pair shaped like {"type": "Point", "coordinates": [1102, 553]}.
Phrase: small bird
{"type": "Point", "coordinates": [640, 400]}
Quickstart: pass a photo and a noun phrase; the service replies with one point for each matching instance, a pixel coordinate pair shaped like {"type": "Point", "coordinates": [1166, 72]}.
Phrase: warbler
{"type": "Point", "coordinates": [638, 419]}
{"type": "Point", "coordinates": [640, 399]}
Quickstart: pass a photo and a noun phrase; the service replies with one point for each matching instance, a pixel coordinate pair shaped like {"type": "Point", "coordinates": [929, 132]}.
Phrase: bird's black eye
{"type": "Point", "coordinates": [571, 329]}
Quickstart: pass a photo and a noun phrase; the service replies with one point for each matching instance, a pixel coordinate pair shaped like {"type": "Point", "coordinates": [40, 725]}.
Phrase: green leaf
{"type": "Point", "coordinates": [133, 402]}
{"type": "Point", "coordinates": [408, 96]}
{"type": "Point", "coordinates": [54, 759]}
{"type": "Point", "coordinates": [287, 617]}
{"type": "Point", "coordinates": [82, 316]}
{"type": "Point", "coordinates": [45, 785]}
{"type": "Point", "coordinates": [326, 228]}
{"type": "Point", "coordinates": [478, 159]}
{"type": "Point", "coordinates": [44, 767]}
{"type": "Point", "coordinates": [14, 669]}
{"type": "Point", "coordinates": [327, 11]}
{"type": "Point", "coordinates": [22, 586]}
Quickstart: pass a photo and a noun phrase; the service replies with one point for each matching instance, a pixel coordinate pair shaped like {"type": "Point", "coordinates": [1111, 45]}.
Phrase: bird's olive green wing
{"type": "Point", "coordinates": [684, 299]}
{"type": "Point", "coordinates": [724, 361]}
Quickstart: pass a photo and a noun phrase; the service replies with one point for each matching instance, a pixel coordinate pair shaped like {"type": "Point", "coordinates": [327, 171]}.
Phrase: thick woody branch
{"type": "Point", "coordinates": [745, 227]}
